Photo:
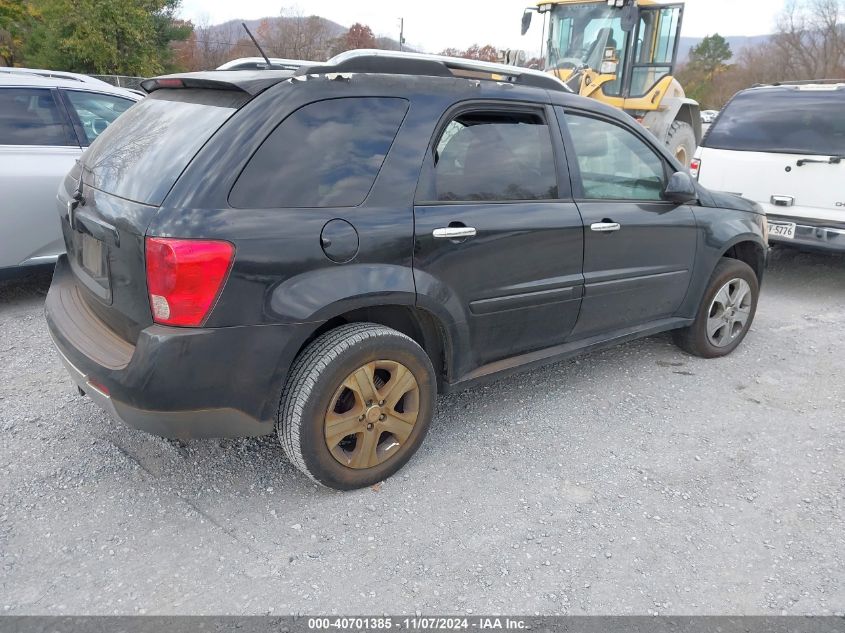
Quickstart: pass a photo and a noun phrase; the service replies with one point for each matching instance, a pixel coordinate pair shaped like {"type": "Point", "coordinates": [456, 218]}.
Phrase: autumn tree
{"type": "Point", "coordinates": [295, 36]}
{"type": "Point", "coordinates": [208, 47]}
{"type": "Point", "coordinates": [359, 36]}
{"type": "Point", "coordinates": [487, 53]}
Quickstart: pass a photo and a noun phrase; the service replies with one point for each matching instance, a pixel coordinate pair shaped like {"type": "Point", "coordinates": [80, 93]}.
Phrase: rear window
{"type": "Point", "coordinates": [782, 121]}
{"type": "Point", "coordinates": [326, 154]}
{"type": "Point", "coordinates": [141, 155]}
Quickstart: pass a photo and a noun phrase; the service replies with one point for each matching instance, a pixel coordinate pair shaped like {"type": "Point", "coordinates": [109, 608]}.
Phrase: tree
{"type": "Point", "coordinates": [130, 37]}
{"type": "Point", "coordinates": [16, 17]}
{"type": "Point", "coordinates": [704, 74]}
{"type": "Point", "coordinates": [810, 41]}
{"type": "Point", "coordinates": [359, 36]}
{"type": "Point", "coordinates": [711, 55]}
{"type": "Point", "coordinates": [486, 53]}
{"type": "Point", "coordinates": [295, 36]}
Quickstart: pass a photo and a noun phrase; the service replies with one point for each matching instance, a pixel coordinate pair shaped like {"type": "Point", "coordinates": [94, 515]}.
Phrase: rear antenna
{"type": "Point", "coordinates": [257, 45]}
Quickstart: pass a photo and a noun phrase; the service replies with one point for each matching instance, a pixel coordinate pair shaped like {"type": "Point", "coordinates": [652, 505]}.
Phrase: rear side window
{"type": "Point", "coordinates": [142, 154]}
{"type": "Point", "coordinates": [787, 121]}
{"type": "Point", "coordinates": [495, 157]}
{"type": "Point", "coordinates": [30, 116]}
{"type": "Point", "coordinates": [326, 154]}
{"type": "Point", "coordinates": [96, 111]}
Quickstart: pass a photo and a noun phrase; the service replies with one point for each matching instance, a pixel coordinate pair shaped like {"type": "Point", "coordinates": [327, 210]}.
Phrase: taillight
{"type": "Point", "coordinates": [694, 167]}
{"type": "Point", "coordinates": [184, 278]}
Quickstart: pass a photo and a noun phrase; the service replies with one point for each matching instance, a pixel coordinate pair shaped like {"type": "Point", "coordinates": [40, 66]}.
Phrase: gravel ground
{"type": "Point", "coordinates": [633, 481]}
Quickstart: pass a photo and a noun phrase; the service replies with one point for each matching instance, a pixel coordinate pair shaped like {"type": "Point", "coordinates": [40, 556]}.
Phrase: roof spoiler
{"type": "Point", "coordinates": [235, 81]}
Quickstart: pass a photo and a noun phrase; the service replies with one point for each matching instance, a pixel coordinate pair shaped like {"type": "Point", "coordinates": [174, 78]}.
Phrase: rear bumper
{"type": "Point", "coordinates": [817, 234]}
{"type": "Point", "coordinates": [174, 382]}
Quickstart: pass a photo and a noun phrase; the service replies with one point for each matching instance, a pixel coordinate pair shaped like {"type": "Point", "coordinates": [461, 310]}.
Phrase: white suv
{"type": "Point", "coordinates": [784, 147]}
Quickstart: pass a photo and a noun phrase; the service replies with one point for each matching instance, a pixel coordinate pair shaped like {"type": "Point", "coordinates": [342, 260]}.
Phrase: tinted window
{"type": "Point", "coordinates": [31, 117]}
{"type": "Point", "coordinates": [788, 121]}
{"type": "Point", "coordinates": [615, 164]}
{"type": "Point", "coordinates": [493, 156]}
{"type": "Point", "coordinates": [96, 111]}
{"type": "Point", "coordinates": [143, 153]}
{"type": "Point", "coordinates": [326, 154]}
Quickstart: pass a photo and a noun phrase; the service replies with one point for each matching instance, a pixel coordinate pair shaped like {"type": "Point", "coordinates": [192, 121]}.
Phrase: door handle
{"type": "Point", "coordinates": [605, 227]}
{"type": "Point", "coordinates": [455, 232]}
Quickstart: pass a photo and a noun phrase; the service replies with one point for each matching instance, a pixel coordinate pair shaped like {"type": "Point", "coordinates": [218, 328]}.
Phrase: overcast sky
{"type": "Point", "coordinates": [433, 25]}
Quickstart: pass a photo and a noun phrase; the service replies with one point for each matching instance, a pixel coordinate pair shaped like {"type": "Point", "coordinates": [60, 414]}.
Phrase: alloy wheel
{"type": "Point", "coordinates": [729, 313]}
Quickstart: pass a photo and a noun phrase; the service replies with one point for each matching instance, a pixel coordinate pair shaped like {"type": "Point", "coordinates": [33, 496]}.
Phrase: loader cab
{"type": "Point", "coordinates": [613, 53]}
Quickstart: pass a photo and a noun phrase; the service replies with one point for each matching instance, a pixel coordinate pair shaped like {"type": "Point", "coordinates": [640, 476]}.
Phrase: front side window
{"type": "Point", "coordinates": [495, 157]}
{"type": "Point", "coordinates": [326, 154]}
{"type": "Point", "coordinates": [96, 111]}
{"type": "Point", "coordinates": [30, 116]}
{"type": "Point", "coordinates": [615, 164]}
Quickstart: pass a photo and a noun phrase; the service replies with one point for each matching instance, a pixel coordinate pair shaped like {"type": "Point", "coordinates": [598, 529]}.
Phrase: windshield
{"type": "Point", "coordinates": [580, 34]}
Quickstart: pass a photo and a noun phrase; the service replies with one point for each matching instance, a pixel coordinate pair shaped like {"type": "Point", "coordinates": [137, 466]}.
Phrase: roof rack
{"type": "Point", "coordinates": [400, 63]}
{"type": "Point", "coordinates": [802, 82]}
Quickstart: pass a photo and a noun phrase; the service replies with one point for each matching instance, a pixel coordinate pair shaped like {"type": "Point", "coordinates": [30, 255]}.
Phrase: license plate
{"type": "Point", "coordinates": [92, 257]}
{"type": "Point", "coordinates": [784, 231]}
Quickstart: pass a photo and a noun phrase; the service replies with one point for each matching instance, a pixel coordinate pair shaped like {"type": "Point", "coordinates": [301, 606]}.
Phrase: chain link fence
{"type": "Point", "coordinates": [121, 81]}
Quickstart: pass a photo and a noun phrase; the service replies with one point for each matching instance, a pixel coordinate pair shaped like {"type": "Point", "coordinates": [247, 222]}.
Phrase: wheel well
{"type": "Point", "coordinates": [420, 325]}
{"type": "Point", "coordinates": [750, 253]}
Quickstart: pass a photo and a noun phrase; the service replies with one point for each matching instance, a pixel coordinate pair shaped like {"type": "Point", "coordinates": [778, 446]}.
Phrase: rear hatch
{"type": "Point", "coordinates": [120, 182]}
{"type": "Point", "coordinates": [783, 147]}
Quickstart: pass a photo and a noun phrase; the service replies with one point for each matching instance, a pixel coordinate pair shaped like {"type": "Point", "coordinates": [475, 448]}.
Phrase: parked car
{"type": "Point", "coordinates": [259, 63]}
{"type": "Point", "coordinates": [321, 255]}
{"type": "Point", "coordinates": [784, 147]}
{"type": "Point", "coordinates": [708, 116]}
{"type": "Point", "coordinates": [52, 74]}
{"type": "Point", "coordinates": [45, 124]}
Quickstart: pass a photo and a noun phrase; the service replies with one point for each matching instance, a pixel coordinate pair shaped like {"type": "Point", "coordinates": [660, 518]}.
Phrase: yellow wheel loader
{"type": "Point", "coordinates": [622, 52]}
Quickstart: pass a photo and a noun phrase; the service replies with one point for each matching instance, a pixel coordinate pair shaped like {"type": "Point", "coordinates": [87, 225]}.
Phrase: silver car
{"type": "Point", "coordinates": [46, 122]}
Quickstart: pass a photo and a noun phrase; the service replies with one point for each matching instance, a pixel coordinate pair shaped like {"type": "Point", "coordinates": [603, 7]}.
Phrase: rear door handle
{"type": "Point", "coordinates": [455, 232]}
{"type": "Point", "coordinates": [605, 227]}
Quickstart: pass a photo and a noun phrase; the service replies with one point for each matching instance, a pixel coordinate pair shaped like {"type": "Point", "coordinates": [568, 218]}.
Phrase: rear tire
{"type": "Point", "coordinates": [729, 304]}
{"type": "Point", "coordinates": [356, 406]}
{"type": "Point", "coordinates": [680, 139]}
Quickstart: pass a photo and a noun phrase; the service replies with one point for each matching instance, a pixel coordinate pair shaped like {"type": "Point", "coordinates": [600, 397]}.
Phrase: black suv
{"type": "Point", "coordinates": [321, 253]}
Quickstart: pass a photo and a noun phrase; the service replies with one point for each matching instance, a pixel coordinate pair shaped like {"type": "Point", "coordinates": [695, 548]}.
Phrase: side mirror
{"type": "Point", "coordinates": [526, 20]}
{"type": "Point", "coordinates": [680, 189]}
{"type": "Point", "coordinates": [630, 17]}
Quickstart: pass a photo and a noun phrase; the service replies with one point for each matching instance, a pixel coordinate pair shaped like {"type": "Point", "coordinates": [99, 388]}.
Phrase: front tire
{"type": "Point", "coordinates": [356, 406]}
{"type": "Point", "coordinates": [680, 139]}
{"type": "Point", "coordinates": [726, 312]}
